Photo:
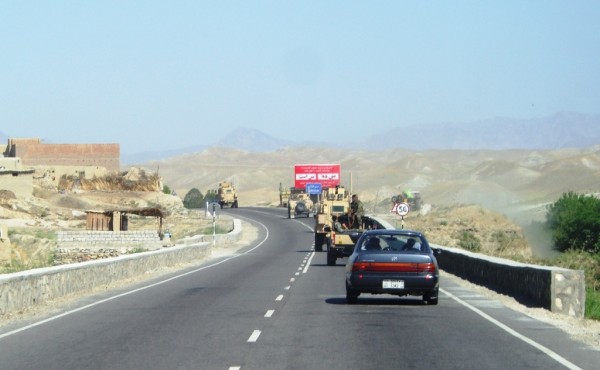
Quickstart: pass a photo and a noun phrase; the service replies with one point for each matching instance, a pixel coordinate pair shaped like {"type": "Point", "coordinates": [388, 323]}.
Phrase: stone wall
{"type": "Point", "coordinates": [80, 246]}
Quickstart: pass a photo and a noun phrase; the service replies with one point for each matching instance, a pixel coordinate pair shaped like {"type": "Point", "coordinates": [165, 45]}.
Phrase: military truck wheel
{"type": "Point", "coordinates": [300, 208]}
{"type": "Point", "coordinates": [331, 259]}
{"type": "Point", "coordinates": [319, 239]}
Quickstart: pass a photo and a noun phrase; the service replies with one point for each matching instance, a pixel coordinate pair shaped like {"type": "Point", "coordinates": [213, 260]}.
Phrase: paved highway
{"type": "Point", "coordinates": [277, 305]}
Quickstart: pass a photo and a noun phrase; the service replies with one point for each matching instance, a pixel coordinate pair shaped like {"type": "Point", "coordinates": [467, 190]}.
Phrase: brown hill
{"type": "Point", "coordinates": [515, 185]}
{"type": "Point", "coordinates": [514, 182]}
{"type": "Point", "coordinates": [490, 195]}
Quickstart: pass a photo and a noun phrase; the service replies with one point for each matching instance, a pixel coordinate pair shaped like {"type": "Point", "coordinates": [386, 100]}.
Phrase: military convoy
{"type": "Point", "coordinates": [226, 195]}
{"type": "Point", "coordinates": [340, 243]}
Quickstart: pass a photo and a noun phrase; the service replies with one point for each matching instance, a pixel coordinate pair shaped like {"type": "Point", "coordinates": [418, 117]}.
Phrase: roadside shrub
{"type": "Point", "coordinates": [574, 221]}
{"type": "Point", "coordinates": [467, 240]}
{"type": "Point", "coordinates": [193, 199]}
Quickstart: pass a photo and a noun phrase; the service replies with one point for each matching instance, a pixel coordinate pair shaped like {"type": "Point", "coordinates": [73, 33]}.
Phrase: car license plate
{"type": "Point", "coordinates": [393, 284]}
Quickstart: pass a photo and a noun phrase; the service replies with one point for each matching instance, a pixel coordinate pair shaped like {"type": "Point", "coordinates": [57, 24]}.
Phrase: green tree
{"type": "Point", "coordinates": [574, 221]}
{"type": "Point", "coordinates": [166, 189]}
{"type": "Point", "coordinates": [193, 199]}
{"type": "Point", "coordinates": [211, 196]}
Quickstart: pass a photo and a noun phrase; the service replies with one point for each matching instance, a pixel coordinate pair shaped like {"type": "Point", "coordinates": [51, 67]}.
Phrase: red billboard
{"type": "Point", "coordinates": [328, 175]}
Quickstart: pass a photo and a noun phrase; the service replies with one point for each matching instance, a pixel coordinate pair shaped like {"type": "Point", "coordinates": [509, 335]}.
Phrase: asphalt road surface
{"type": "Point", "coordinates": [275, 304]}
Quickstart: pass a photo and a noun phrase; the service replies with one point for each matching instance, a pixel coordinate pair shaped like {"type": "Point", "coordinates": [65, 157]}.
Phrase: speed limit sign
{"type": "Point", "coordinates": [401, 209]}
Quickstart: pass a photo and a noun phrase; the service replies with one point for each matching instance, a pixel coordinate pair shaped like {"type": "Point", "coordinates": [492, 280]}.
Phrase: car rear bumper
{"type": "Point", "coordinates": [417, 285]}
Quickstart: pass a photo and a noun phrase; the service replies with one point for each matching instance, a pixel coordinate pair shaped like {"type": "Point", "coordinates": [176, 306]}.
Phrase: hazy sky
{"type": "Point", "coordinates": [157, 75]}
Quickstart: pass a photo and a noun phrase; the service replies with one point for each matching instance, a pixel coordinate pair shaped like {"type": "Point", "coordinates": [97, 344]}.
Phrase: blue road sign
{"type": "Point", "coordinates": [313, 188]}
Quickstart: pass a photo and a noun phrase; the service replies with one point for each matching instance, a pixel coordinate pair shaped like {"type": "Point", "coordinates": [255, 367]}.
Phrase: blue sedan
{"type": "Point", "coordinates": [396, 262]}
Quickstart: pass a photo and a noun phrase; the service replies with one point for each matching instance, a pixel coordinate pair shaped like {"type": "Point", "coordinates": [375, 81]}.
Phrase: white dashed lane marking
{"type": "Point", "coordinates": [254, 337]}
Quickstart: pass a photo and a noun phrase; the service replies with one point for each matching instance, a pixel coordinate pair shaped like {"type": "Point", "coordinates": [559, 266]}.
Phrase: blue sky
{"type": "Point", "coordinates": [158, 75]}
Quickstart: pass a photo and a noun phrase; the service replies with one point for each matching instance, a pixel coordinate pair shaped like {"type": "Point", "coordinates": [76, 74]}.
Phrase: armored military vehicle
{"type": "Point", "coordinates": [299, 204]}
{"type": "Point", "coordinates": [332, 201]}
{"type": "Point", "coordinates": [340, 242]}
{"type": "Point", "coordinates": [226, 195]}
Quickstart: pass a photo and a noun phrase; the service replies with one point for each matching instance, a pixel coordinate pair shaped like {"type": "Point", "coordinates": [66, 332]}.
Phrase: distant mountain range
{"type": "Point", "coordinates": [562, 130]}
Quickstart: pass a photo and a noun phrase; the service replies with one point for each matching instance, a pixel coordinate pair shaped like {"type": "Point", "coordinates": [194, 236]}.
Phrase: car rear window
{"type": "Point", "coordinates": [392, 243]}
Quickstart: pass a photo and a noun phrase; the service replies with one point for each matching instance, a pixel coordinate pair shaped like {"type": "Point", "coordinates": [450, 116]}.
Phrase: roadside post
{"type": "Point", "coordinates": [401, 209]}
{"type": "Point", "coordinates": [214, 206]}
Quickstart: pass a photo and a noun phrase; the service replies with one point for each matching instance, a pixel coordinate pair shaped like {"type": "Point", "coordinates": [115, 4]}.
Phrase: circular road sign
{"type": "Point", "coordinates": [402, 209]}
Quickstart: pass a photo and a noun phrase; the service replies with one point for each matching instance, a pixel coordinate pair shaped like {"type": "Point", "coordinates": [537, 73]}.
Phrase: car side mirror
{"type": "Point", "coordinates": [436, 251]}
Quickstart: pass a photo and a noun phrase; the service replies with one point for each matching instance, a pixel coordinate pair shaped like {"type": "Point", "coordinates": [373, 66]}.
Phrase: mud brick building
{"type": "Point", "coordinates": [35, 153]}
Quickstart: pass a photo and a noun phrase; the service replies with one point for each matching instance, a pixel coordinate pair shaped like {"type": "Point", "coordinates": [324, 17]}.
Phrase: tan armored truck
{"type": "Point", "coordinates": [340, 242]}
{"type": "Point", "coordinates": [226, 195]}
{"type": "Point", "coordinates": [300, 204]}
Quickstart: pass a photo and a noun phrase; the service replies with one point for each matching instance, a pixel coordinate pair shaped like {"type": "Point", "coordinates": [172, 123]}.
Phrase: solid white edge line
{"type": "Point", "coordinates": [7, 334]}
{"type": "Point", "coordinates": [254, 336]}
{"type": "Point", "coordinates": [514, 333]}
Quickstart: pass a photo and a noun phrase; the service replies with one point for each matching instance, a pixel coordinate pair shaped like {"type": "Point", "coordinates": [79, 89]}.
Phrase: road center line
{"type": "Point", "coordinates": [254, 337]}
{"type": "Point", "coordinates": [279, 297]}
{"type": "Point", "coordinates": [269, 313]}
{"type": "Point", "coordinates": [308, 264]}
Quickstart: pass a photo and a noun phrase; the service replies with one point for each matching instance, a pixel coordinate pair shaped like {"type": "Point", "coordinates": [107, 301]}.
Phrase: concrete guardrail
{"type": "Point", "coordinates": [556, 289]}
{"type": "Point", "coordinates": [27, 288]}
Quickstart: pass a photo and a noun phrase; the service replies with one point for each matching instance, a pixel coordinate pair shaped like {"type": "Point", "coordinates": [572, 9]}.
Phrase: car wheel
{"type": "Point", "coordinates": [430, 299]}
{"type": "Point", "coordinates": [351, 295]}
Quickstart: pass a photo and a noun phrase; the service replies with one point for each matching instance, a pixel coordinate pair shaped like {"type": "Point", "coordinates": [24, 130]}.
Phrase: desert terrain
{"type": "Point", "coordinates": [500, 197]}
{"type": "Point", "coordinates": [482, 191]}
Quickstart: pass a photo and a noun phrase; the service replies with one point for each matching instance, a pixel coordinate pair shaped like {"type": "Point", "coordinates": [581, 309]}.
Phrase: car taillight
{"type": "Point", "coordinates": [427, 267]}
{"type": "Point", "coordinates": [360, 266]}
{"type": "Point", "coordinates": [408, 267]}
